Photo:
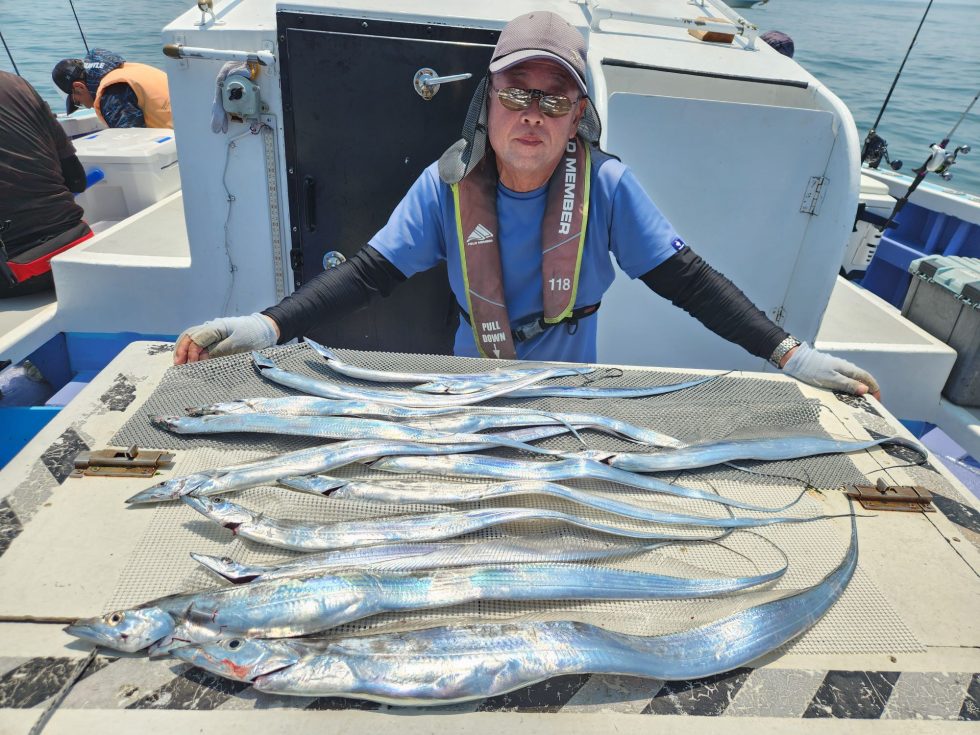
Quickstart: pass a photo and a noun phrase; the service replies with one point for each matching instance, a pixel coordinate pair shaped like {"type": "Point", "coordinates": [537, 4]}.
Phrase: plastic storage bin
{"type": "Point", "coordinates": [944, 299]}
{"type": "Point", "coordinates": [140, 166]}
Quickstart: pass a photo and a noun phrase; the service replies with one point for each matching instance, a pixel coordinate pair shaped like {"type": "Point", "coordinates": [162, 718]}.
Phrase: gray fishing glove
{"type": "Point", "coordinates": [233, 334]}
{"type": "Point", "coordinates": [826, 371]}
{"type": "Point", "coordinates": [219, 118]}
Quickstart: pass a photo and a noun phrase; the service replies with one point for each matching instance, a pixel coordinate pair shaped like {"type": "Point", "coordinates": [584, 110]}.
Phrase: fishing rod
{"type": "Point", "coordinates": [72, 3]}
{"type": "Point", "coordinates": [9, 55]}
{"type": "Point", "coordinates": [939, 162]}
{"type": "Point", "coordinates": [875, 147]}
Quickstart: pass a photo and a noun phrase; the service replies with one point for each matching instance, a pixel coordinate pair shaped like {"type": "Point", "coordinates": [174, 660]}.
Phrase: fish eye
{"type": "Point", "coordinates": [234, 644]}
{"type": "Point", "coordinates": [227, 560]}
{"type": "Point", "coordinates": [114, 618]}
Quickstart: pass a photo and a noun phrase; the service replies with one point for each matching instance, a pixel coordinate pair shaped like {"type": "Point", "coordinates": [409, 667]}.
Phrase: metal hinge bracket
{"type": "Point", "coordinates": [132, 462]}
{"type": "Point", "coordinates": [813, 195]}
{"type": "Point", "coordinates": [882, 496]}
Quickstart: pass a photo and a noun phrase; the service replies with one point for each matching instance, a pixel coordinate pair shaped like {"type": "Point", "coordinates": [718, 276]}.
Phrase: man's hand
{"type": "Point", "coordinates": [226, 336]}
{"type": "Point", "coordinates": [826, 371]}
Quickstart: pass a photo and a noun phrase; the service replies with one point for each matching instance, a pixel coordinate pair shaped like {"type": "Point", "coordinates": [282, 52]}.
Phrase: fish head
{"type": "Point", "coordinates": [227, 568]}
{"type": "Point", "coordinates": [228, 514]}
{"type": "Point", "coordinates": [262, 362]}
{"type": "Point", "coordinates": [241, 659]}
{"type": "Point", "coordinates": [172, 489]}
{"type": "Point", "coordinates": [165, 422]}
{"type": "Point", "coordinates": [125, 630]}
{"type": "Point", "coordinates": [325, 352]}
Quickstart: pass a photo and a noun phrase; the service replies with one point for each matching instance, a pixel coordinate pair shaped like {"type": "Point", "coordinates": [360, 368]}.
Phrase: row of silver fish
{"type": "Point", "coordinates": [498, 375]}
{"type": "Point", "coordinates": [450, 418]}
{"type": "Point", "coordinates": [432, 555]}
{"type": "Point", "coordinates": [401, 491]}
{"type": "Point", "coordinates": [298, 606]}
{"type": "Point", "coordinates": [460, 663]}
{"type": "Point", "coordinates": [501, 468]}
{"type": "Point", "coordinates": [298, 535]}
{"type": "Point", "coordinates": [223, 480]}
{"type": "Point", "coordinates": [333, 427]}
{"type": "Point", "coordinates": [440, 394]}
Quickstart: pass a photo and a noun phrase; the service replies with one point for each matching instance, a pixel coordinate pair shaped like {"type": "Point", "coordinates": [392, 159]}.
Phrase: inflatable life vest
{"type": "Point", "coordinates": [562, 242]}
{"type": "Point", "coordinates": [36, 259]}
{"type": "Point", "coordinates": [150, 86]}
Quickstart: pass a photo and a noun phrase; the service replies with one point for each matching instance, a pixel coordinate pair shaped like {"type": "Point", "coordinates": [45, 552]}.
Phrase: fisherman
{"type": "Point", "coordinates": [124, 94]}
{"type": "Point", "coordinates": [526, 226]}
{"type": "Point", "coordinates": [39, 173]}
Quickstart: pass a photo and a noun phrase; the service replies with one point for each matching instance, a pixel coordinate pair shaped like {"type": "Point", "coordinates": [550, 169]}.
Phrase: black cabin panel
{"type": "Point", "coordinates": [357, 136]}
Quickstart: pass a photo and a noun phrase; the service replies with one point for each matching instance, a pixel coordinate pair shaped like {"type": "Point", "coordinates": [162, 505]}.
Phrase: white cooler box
{"type": "Point", "coordinates": [140, 167]}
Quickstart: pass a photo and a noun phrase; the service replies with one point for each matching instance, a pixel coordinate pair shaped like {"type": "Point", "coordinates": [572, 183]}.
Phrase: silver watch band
{"type": "Point", "coordinates": [782, 348]}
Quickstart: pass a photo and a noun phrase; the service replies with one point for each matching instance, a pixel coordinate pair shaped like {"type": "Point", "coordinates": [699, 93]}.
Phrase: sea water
{"type": "Point", "coordinates": [853, 46]}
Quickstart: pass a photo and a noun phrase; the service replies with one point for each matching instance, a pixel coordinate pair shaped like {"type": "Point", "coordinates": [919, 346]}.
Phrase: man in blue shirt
{"type": "Point", "coordinates": [527, 212]}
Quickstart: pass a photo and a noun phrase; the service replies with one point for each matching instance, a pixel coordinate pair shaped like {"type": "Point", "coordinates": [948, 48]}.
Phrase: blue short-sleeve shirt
{"type": "Point", "coordinates": [622, 221]}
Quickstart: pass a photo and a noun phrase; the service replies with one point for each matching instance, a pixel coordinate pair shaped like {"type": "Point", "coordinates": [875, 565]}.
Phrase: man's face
{"type": "Point", "coordinates": [81, 96]}
{"type": "Point", "coordinates": [528, 143]}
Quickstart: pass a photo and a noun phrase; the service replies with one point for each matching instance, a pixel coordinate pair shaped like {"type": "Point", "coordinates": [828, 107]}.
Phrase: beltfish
{"type": "Point", "coordinates": [297, 606]}
{"type": "Point", "coordinates": [459, 663]}
{"type": "Point", "coordinates": [452, 418]}
{"type": "Point", "coordinates": [565, 469]}
{"type": "Point", "coordinates": [582, 391]}
{"type": "Point", "coordinates": [327, 389]}
{"type": "Point", "coordinates": [335, 363]}
{"type": "Point", "coordinates": [305, 536]}
{"type": "Point", "coordinates": [711, 453]}
{"type": "Point", "coordinates": [305, 462]}
{"type": "Point", "coordinates": [332, 427]}
{"type": "Point", "coordinates": [449, 493]}
{"type": "Point", "coordinates": [315, 406]}
{"type": "Point", "coordinates": [478, 420]}
{"type": "Point", "coordinates": [444, 554]}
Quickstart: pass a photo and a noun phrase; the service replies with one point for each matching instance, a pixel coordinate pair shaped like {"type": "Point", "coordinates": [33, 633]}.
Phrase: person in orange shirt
{"type": "Point", "coordinates": [124, 94]}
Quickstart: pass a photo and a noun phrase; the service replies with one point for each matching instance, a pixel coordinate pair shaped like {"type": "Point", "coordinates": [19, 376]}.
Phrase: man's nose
{"type": "Point", "coordinates": [533, 114]}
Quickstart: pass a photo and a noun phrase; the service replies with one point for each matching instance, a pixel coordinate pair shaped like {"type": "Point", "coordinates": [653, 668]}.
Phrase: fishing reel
{"type": "Point", "coordinates": [875, 149]}
{"type": "Point", "coordinates": [941, 161]}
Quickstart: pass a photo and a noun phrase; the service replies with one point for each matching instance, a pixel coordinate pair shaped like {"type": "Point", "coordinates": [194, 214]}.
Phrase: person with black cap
{"type": "Point", "coordinates": [124, 94]}
{"type": "Point", "coordinates": [39, 175]}
{"type": "Point", "coordinates": [525, 209]}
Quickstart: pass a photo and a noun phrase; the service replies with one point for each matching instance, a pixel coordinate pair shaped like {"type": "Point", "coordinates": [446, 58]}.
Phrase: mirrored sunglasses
{"type": "Point", "coordinates": [552, 105]}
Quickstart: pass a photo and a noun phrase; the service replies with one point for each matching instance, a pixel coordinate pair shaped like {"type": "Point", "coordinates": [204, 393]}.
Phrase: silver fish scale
{"type": "Point", "coordinates": [725, 408]}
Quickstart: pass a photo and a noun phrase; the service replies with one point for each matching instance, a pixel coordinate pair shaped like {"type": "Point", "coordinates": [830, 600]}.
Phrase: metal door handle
{"type": "Point", "coordinates": [309, 190]}
{"type": "Point", "coordinates": [427, 81]}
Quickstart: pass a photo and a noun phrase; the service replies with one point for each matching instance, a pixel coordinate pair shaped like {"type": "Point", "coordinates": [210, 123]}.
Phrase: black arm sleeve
{"type": "Point", "coordinates": [71, 169]}
{"type": "Point", "coordinates": [335, 292]}
{"type": "Point", "coordinates": [704, 293]}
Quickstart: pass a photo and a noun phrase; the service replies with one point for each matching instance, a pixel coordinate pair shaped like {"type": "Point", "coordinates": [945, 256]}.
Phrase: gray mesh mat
{"type": "Point", "coordinates": [727, 407]}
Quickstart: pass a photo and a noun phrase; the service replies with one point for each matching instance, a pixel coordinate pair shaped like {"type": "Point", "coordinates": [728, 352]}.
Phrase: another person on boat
{"type": "Point", "coordinates": [39, 175]}
{"type": "Point", "coordinates": [780, 41]}
{"type": "Point", "coordinates": [124, 94]}
{"type": "Point", "coordinates": [526, 225]}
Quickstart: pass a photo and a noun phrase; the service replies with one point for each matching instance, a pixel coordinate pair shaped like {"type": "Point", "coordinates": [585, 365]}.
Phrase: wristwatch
{"type": "Point", "coordinates": [782, 348]}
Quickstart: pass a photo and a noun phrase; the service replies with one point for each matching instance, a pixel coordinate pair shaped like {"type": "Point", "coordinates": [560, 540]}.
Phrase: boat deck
{"type": "Point", "coordinates": [902, 645]}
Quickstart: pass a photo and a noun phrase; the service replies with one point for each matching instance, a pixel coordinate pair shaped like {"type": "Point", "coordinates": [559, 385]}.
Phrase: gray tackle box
{"type": "Point", "coordinates": [944, 299]}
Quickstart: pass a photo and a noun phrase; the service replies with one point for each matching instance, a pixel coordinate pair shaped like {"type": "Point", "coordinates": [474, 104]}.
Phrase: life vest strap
{"type": "Point", "coordinates": [534, 325]}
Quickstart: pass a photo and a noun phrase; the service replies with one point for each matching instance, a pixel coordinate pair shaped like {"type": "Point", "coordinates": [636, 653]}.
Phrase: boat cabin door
{"type": "Point", "coordinates": [357, 135]}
